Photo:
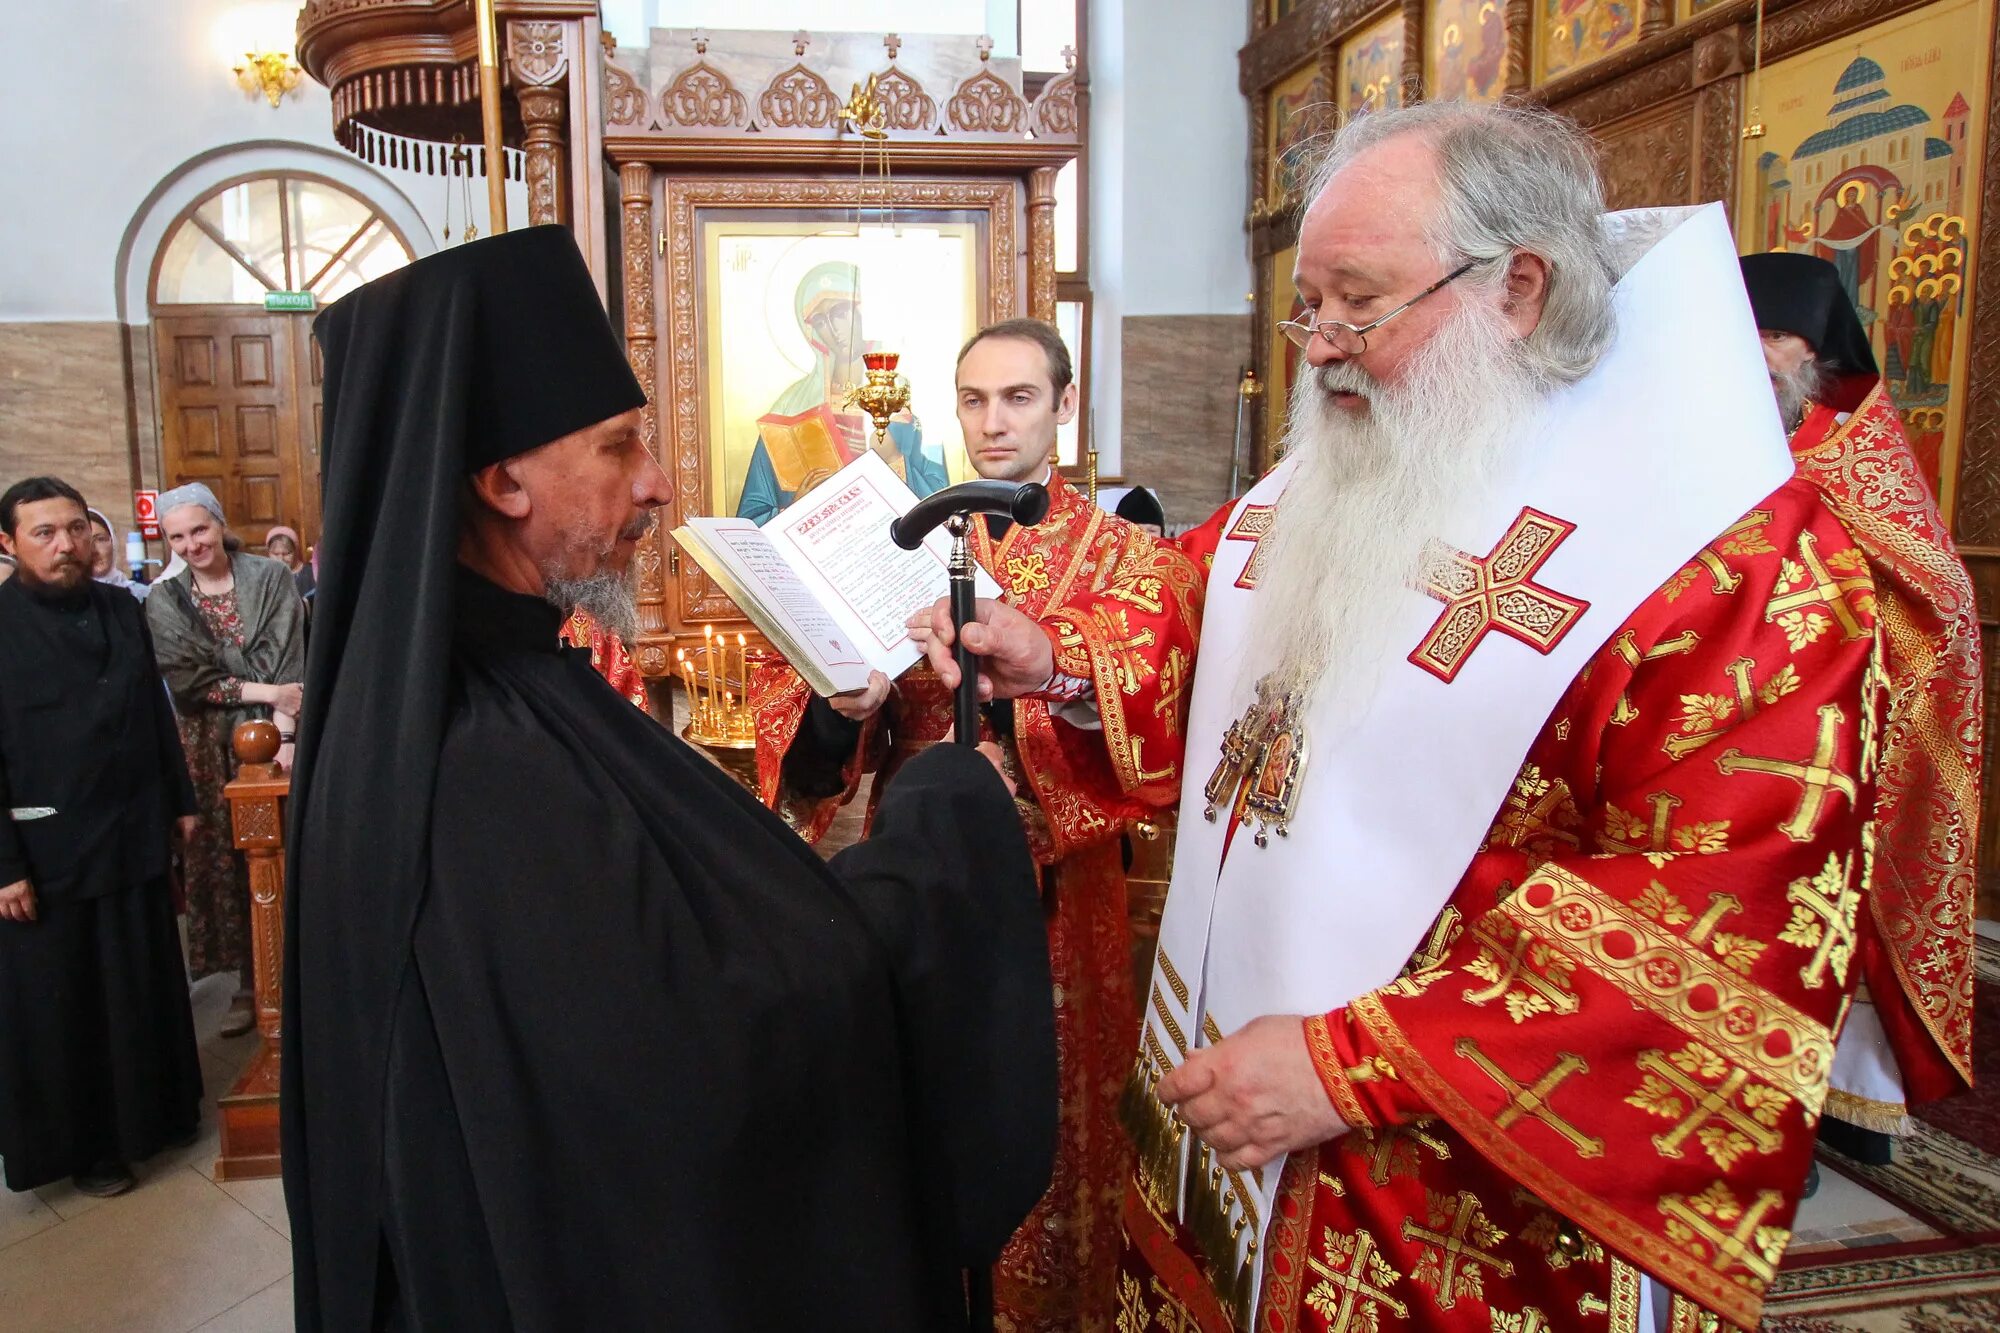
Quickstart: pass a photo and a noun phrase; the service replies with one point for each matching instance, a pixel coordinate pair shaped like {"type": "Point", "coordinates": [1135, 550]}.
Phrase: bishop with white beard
{"type": "Point", "coordinates": [1516, 901]}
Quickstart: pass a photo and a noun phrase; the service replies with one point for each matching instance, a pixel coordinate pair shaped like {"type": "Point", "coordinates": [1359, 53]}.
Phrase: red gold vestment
{"type": "Point", "coordinates": [1921, 886]}
{"type": "Point", "coordinates": [607, 655]}
{"type": "Point", "coordinates": [1609, 1055]}
{"type": "Point", "coordinates": [1075, 803]}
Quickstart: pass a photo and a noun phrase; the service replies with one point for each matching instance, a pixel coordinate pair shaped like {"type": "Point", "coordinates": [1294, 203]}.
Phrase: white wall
{"type": "Point", "coordinates": [132, 89]}
{"type": "Point", "coordinates": [1187, 171]}
{"type": "Point", "coordinates": [1169, 166]}
{"type": "Point", "coordinates": [629, 20]}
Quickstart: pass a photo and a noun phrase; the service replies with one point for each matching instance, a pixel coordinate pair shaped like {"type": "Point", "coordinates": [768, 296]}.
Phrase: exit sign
{"type": "Point", "coordinates": [305, 301]}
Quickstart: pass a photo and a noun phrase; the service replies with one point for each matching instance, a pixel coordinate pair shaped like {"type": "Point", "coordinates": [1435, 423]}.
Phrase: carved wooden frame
{"type": "Point", "coordinates": [673, 427]}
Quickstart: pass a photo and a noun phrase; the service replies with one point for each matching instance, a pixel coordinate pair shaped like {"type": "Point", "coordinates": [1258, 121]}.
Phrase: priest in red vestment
{"type": "Point", "coordinates": [608, 655]}
{"type": "Point", "coordinates": [1517, 903]}
{"type": "Point", "coordinates": [1075, 797]}
{"type": "Point", "coordinates": [1909, 1038]}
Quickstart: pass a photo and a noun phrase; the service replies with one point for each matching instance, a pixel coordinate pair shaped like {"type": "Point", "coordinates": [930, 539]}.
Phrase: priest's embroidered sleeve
{"type": "Point", "coordinates": [1631, 1002]}
{"type": "Point", "coordinates": [1133, 634]}
{"type": "Point", "coordinates": [608, 656]}
{"type": "Point", "coordinates": [810, 760]}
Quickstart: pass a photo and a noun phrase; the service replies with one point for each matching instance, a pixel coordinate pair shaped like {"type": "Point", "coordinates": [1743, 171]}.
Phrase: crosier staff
{"type": "Point", "coordinates": [1027, 503]}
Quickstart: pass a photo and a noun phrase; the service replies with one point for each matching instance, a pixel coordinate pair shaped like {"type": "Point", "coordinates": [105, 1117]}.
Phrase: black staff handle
{"type": "Point", "coordinates": [1026, 503]}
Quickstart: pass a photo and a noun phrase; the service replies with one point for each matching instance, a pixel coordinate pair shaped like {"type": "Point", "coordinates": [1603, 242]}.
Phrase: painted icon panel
{"type": "Point", "coordinates": [1465, 50]}
{"type": "Point", "coordinates": [1870, 159]}
{"type": "Point", "coordinates": [1371, 66]}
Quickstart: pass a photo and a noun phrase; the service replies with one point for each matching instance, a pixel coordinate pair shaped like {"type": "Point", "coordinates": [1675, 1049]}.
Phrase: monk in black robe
{"type": "Point", "coordinates": [577, 1034]}
{"type": "Point", "coordinates": [98, 1067]}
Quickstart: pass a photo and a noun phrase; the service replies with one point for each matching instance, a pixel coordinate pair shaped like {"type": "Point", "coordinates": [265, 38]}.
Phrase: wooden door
{"type": "Point", "coordinates": [230, 415]}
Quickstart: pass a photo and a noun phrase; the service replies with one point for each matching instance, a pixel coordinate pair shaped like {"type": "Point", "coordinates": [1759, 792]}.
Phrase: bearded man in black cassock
{"type": "Point", "coordinates": [98, 1067]}
{"type": "Point", "coordinates": [577, 1034]}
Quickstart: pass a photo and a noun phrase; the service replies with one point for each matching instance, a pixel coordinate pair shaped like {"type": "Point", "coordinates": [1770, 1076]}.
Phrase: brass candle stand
{"type": "Point", "coordinates": [716, 677]}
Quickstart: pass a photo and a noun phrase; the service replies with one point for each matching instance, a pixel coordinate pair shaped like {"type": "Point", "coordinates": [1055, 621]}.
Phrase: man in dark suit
{"type": "Point", "coordinates": [98, 1066]}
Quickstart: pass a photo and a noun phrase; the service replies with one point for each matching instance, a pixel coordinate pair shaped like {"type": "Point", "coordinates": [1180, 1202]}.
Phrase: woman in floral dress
{"type": "Point", "coordinates": [229, 634]}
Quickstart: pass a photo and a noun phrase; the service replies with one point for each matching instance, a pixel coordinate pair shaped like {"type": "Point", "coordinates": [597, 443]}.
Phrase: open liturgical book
{"type": "Point", "coordinates": [824, 581]}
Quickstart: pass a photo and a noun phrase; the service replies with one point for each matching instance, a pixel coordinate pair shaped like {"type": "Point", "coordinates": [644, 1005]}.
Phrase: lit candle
{"type": "Point", "coordinates": [709, 665]}
{"type": "Point", "coordinates": [743, 665]}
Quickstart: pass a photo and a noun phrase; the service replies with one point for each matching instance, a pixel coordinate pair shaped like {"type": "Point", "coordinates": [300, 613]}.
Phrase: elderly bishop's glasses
{"type": "Point", "coordinates": [1352, 339]}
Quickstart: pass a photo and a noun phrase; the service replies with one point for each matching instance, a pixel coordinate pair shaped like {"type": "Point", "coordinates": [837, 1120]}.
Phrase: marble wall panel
{"type": "Point", "coordinates": [1180, 374]}
{"type": "Point", "coordinates": [62, 410]}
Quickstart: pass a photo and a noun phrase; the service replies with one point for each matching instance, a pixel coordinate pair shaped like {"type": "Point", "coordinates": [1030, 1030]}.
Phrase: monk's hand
{"type": "Point", "coordinates": [17, 902]}
{"type": "Point", "coordinates": [1015, 656]}
{"type": "Point", "coordinates": [189, 827]}
{"type": "Point", "coordinates": [1254, 1096]}
{"type": "Point", "coordinates": [862, 704]}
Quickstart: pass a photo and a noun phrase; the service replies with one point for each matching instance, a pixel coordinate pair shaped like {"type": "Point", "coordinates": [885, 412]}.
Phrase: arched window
{"type": "Point", "coordinates": [287, 231]}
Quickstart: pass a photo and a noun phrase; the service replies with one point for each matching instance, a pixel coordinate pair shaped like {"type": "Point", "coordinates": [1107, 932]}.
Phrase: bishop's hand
{"type": "Point", "coordinates": [1255, 1095]}
{"type": "Point", "coordinates": [1016, 656]}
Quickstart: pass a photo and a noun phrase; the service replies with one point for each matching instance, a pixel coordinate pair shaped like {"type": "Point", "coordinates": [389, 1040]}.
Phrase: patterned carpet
{"type": "Point", "coordinates": [1948, 1176]}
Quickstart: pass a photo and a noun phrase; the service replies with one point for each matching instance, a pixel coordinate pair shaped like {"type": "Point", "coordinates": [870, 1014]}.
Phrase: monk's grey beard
{"type": "Point", "coordinates": [1371, 491]}
{"type": "Point", "coordinates": [606, 596]}
{"type": "Point", "coordinates": [1795, 389]}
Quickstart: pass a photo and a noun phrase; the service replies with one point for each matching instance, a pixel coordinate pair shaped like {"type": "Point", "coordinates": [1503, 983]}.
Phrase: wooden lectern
{"type": "Point", "coordinates": [249, 1112]}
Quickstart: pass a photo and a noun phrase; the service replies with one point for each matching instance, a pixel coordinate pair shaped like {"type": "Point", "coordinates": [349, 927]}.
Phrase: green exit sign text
{"type": "Point", "coordinates": [290, 301]}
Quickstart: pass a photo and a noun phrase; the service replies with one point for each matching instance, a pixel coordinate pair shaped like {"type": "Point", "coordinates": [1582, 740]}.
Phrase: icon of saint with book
{"type": "Point", "coordinates": [808, 434]}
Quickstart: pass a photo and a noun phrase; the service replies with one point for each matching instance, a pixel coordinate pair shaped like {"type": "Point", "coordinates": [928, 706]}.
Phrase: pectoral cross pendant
{"type": "Point", "coordinates": [1262, 766]}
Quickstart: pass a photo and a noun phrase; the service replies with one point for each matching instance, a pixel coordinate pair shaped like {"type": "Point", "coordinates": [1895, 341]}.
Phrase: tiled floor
{"type": "Point", "coordinates": [1844, 1215]}
{"type": "Point", "coordinates": [179, 1254]}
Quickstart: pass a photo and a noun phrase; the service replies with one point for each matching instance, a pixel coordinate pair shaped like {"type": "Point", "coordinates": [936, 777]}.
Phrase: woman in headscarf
{"type": "Point", "coordinates": [282, 544]}
{"type": "Point", "coordinates": [228, 630]}
{"type": "Point", "coordinates": [104, 556]}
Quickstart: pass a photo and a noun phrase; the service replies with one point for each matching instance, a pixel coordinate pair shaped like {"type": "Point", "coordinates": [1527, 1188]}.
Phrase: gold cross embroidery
{"type": "Point", "coordinates": [1456, 1244]}
{"type": "Point", "coordinates": [1028, 573]}
{"type": "Point", "coordinates": [1504, 960]}
{"type": "Point", "coordinates": [1720, 905]}
{"type": "Point", "coordinates": [1626, 645]}
{"type": "Point", "coordinates": [1680, 747]}
{"type": "Point", "coordinates": [1139, 769]}
{"type": "Point", "coordinates": [1726, 579]}
{"type": "Point", "coordinates": [1253, 525]}
{"type": "Point", "coordinates": [1533, 1099]}
{"type": "Point", "coordinates": [1823, 588]}
{"type": "Point", "coordinates": [1749, 1242]}
{"type": "Point", "coordinates": [1359, 1284]}
{"type": "Point", "coordinates": [1496, 591]}
{"type": "Point", "coordinates": [1532, 810]}
{"type": "Point", "coordinates": [1444, 933]}
{"type": "Point", "coordinates": [1133, 669]}
{"type": "Point", "coordinates": [1705, 1105]}
{"type": "Point", "coordinates": [1657, 834]}
{"type": "Point", "coordinates": [1395, 1151]}
{"type": "Point", "coordinates": [1823, 911]}
{"type": "Point", "coordinates": [1173, 679]}
{"type": "Point", "coordinates": [1816, 776]}
{"type": "Point", "coordinates": [1172, 1316]}
{"type": "Point", "coordinates": [1530, 1320]}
